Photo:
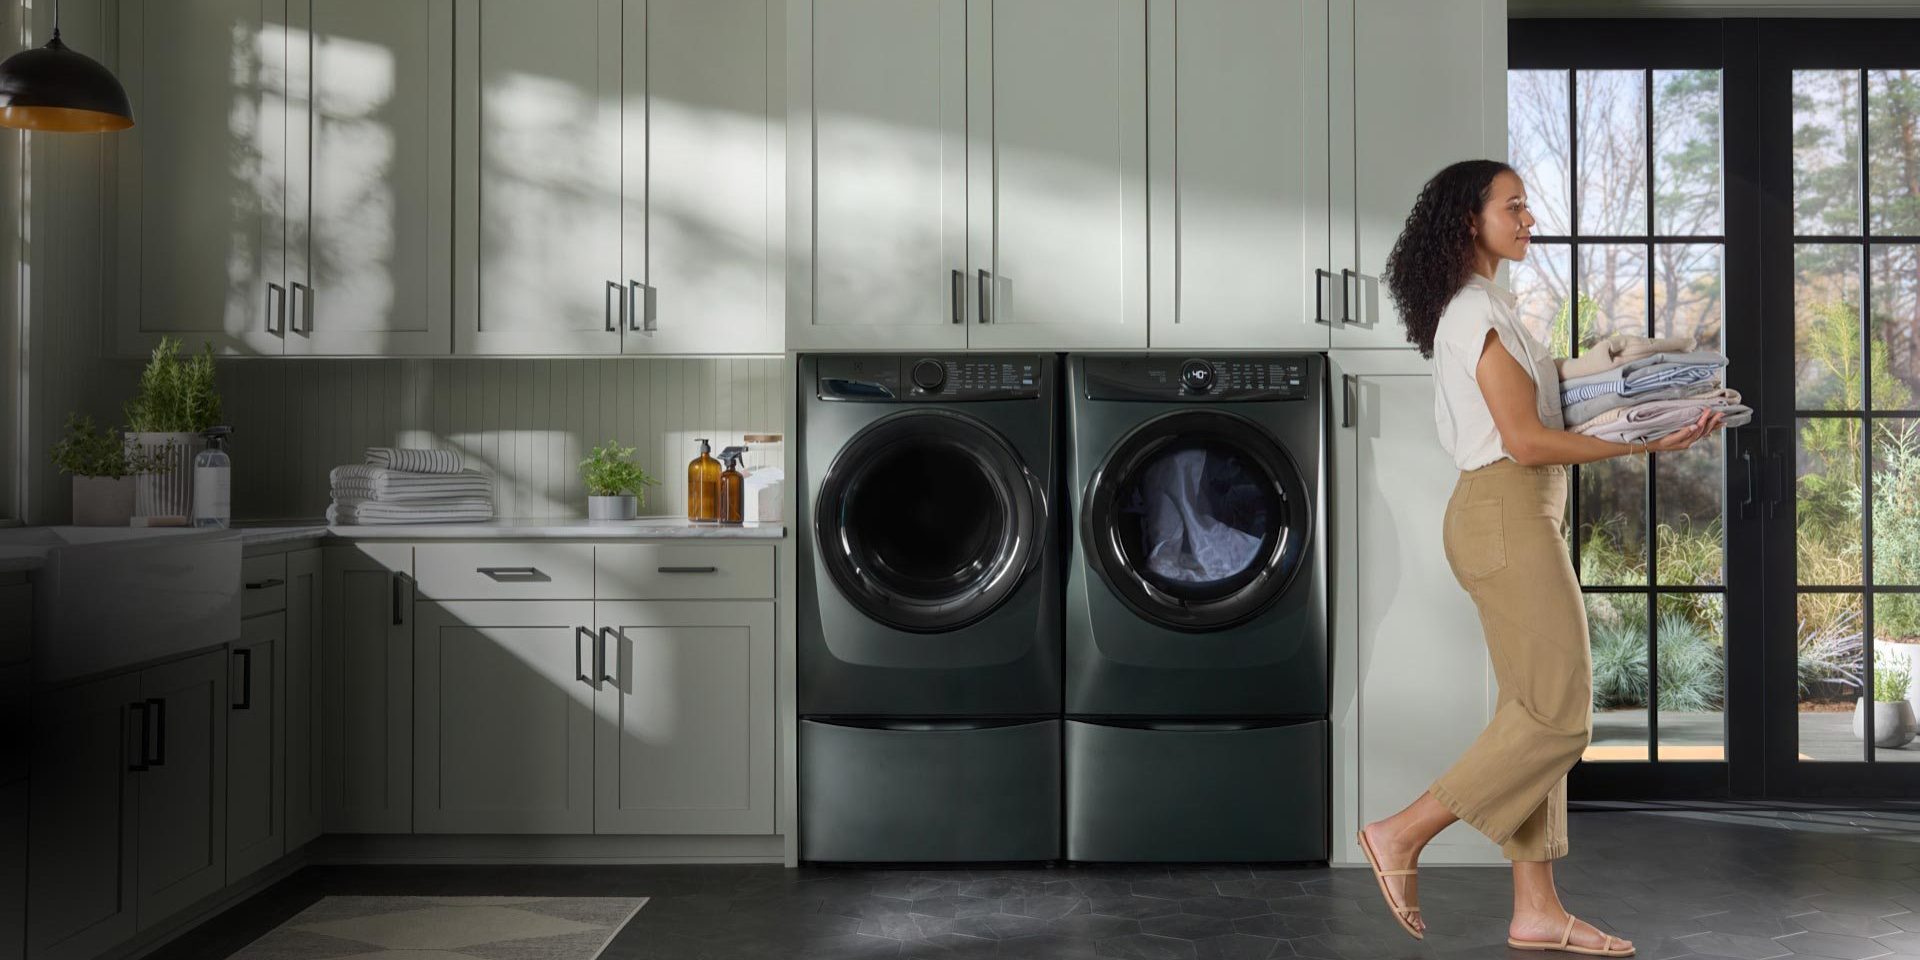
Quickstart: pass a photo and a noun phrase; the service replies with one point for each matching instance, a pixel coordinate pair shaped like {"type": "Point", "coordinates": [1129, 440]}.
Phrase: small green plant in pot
{"type": "Point", "coordinates": [103, 467]}
{"type": "Point", "coordinates": [1893, 717]}
{"type": "Point", "coordinates": [616, 486]}
{"type": "Point", "coordinates": [175, 404]}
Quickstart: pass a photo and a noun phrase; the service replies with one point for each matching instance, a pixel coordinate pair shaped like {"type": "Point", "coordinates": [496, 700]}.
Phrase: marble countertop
{"type": "Point", "coordinates": [645, 528]}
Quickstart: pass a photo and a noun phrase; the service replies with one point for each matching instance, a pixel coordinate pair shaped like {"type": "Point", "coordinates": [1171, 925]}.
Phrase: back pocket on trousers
{"type": "Point", "coordinates": [1479, 539]}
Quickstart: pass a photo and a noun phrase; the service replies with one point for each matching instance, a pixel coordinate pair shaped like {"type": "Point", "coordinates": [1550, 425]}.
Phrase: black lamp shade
{"type": "Point", "coordinates": [55, 88]}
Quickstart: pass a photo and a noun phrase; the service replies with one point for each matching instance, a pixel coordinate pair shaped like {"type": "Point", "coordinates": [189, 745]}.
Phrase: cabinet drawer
{"type": "Point", "coordinates": [264, 580]}
{"type": "Point", "coordinates": [505, 571]}
{"type": "Point", "coordinates": [684, 571]}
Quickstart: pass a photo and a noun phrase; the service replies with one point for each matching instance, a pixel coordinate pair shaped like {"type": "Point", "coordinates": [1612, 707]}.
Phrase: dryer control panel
{"type": "Point", "coordinates": [1202, 378]}
{"type": "Point", "coordinates": [946, 378]}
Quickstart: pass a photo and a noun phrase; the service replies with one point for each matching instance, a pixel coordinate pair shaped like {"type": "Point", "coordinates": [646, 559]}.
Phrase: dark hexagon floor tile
{"type": "Point", "coordinates": [1133, 908]}
{"type": "Point", "coordinates": [951, 947]}
{"type": "Point", "coordinates": [1237, 946]}
{"type": "Point", "coordinates": [1309, 905]}
{"type": "Point", "coordinates": [1752, 923]}
{"type": "Point", "coordinates": [1876, 869]}
{"type": "Point", "coordinates": [1863, 906]}
{"type": "Point", "coordinates": [1187, 926]}
{"type": "Point", "coordinates": [1229, 908]}
{"type": "Point", "coordinates": [1049, 946]}
{"type": "Point", "coordinates": [1833, 945]}
{"type": "Point", "coordinates": [1844, 924]}
{"type": "Point", "coordinates": [915, 888]}
{"type": "Point", "coordinates": [1007, 926]}
{"type": "Point", "coordinates": [1322, 950]}
{"type": "Point", "coordinates": [1281, 926]}
{"type": "Point", "coordinates": [1174, 889]}
{"type": "Point", "coordinates": [1092, 886]}
{"type": "Point", "coordinates": [955, 906]}
{"type": "Point", "coordinates": [1093, 926]}
{"type": "Point", "coordinates": [1042, 908]}
{"type": "Point", "coordinates": [1906, 942]}
{"type": "Point", "coordinates": [1143, 946]}
{"type": "Point", "coordinates": [1260, 889]}
{"type": "Point", "coordinates": [1738, 946]}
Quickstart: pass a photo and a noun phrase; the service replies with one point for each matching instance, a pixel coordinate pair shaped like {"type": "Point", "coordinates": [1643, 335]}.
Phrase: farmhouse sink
{"type": "Point", "coordinates": [110, 597]}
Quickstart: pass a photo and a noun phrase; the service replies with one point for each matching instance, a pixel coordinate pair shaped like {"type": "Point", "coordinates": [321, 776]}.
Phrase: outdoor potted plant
{"type": "Point", "coordinates": [165, 421]}
{"type": "Point", "coordinates": [102, 467]}
{"type": "Point", "coordinates": [1893, 718]}
{"type": "Point", "coordinates": [616, 486]}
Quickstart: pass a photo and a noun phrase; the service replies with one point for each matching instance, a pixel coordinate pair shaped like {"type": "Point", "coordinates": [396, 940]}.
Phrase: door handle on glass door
{"type": "Point", "coordinates": [1748, 507]}
{"type": "Point", "coordinates": [1780, 450]}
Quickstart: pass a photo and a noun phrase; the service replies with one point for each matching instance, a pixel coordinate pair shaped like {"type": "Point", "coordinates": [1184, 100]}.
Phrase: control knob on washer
{"type": "Point", "coordinates": [929, 375]}
{"type": "Point", "coordinates": [1197, 375]}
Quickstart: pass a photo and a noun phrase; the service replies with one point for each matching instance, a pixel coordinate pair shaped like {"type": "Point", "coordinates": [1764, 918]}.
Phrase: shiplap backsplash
{"type": "Point", "coordinates": [529, 423]}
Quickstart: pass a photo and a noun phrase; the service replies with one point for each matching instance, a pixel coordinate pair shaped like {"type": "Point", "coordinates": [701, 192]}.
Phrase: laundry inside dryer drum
{"type": "Point", "coordinates": [1198, 520]}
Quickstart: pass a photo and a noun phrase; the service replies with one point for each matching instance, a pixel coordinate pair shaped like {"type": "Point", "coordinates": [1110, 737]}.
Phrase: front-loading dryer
{"type": "Point", "coordinates": [929, 617]}
{"type": "Point", "coordinates": [1197, 675]}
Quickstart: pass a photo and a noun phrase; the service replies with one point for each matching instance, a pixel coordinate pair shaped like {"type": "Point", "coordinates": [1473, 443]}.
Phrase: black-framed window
{"type": "Point", "coordinates": [1625, 176]}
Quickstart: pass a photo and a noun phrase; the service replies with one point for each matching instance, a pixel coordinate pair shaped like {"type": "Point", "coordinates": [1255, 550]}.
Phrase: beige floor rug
{"type": "Point", "coordinates": [448, 928]}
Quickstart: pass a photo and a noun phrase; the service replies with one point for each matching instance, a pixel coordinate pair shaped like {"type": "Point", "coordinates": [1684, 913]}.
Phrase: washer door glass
{"type": "Point", "coordinates": [1198, 520]}
{"type": "Point", "coordinates": [928, 520]}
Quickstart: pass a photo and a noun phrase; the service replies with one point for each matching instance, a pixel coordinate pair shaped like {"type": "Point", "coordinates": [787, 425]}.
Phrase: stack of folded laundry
{"type": "Point", "coordinates": [1631, 389]}
{"type": "Point", "coordinates": [409, 486]}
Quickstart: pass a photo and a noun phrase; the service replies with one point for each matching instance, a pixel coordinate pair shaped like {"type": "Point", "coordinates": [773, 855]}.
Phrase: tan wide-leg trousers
{"type": "Point", "coordinates": [1505, 542]}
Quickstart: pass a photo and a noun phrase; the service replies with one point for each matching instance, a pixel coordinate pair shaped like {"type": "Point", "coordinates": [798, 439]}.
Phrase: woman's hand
{"type": "Point", "coordinates": [1687, 436]}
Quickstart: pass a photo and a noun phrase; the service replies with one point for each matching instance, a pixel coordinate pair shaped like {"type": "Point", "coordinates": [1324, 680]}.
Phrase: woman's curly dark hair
{"type": "Point", "coordinates": [1434, 255]}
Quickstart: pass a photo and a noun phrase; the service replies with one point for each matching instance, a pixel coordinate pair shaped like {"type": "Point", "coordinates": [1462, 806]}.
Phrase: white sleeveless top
{"type": "Point", "coordinates": [1459, 410]}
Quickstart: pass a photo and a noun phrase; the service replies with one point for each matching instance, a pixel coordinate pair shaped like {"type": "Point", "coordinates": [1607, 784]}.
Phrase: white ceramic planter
{"type": "Point", "coordinates": [1893, 722]}
{"type": "Point", "coordinates": [168, 494]}
{"type": "Point", "coordinates": [613, 508]}
{"type": "Point", "coordinates": [102, 501]}
{"type": "Point", "coordinates": [1909, 654]}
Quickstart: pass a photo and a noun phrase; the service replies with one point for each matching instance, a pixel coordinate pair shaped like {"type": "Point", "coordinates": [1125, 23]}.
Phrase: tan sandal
{"type": "Point", "coordinates": [1380, 876]}
{"type": "Point", "coordinates": [1609, 950]}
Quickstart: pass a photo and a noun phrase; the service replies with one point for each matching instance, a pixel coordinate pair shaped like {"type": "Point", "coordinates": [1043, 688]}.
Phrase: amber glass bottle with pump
{"type": "Point", "coordinates": [732, 501]}
{"type": "Point", "coordinates": [703, 485]}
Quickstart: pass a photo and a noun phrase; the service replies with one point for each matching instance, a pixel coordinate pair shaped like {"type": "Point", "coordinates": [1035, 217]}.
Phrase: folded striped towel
{"type": "Point", "coordinates": [382, 483]}
{"type": "Point", "coordinates": [459, 510]}
{"type": "Point", "coordinates": [414, 459]}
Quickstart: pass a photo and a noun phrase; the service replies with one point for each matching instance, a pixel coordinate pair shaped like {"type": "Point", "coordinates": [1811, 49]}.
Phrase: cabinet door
{"type": "Point", "coordinates": [1425, 686]}
{"type": "Point", "coordinates": [1238, 160]}
{"type": "Point", "coordinates": [183, 792]}
{"type": "Point", "coordinates": [1400, 113]}
{"type": "Point", "coordinates": [202, 238]}
{"type": "Point", "coordinates": [1057, 173]}
{"type": "Point", "coordinates": [537, 127]}
{"type": "Point", "coordinates": [367, 694]}
{"type": "Point", "coordinates": [503, 717]}
{"type": "Point", "coordinates": [880, 97]}
{"type": "Point", "coordinates": [702, 195]}
{"type": "Point", "coordinates": [684, 732]}
{"type": "Point", "coordinates": [302, 728]}
{"type": "Point", "coordinates": [256, 746]}
{"type": "Point", "coordinates": [370, 184]}
{"type": "Point", "coordinates": [83, 808]}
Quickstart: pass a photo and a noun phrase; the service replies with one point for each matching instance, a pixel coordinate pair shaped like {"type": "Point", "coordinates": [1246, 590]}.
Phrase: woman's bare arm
{"type": "Point", "coordinates": [1509, 393]}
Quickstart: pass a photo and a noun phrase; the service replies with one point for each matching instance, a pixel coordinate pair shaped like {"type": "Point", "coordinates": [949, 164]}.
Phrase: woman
{"type": "Point", "coordinates": [1497, 406]}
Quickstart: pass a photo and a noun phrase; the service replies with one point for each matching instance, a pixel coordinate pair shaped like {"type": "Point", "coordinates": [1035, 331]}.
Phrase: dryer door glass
{"type": "Point", "coordinates": [1198, 519]}
{"type": "Point", "coordinates": [928, 520]}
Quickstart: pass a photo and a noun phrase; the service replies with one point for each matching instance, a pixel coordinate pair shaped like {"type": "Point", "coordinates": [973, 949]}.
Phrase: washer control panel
{"type": "Point", "coordinates": [942, 377]}
{"type": "Point", "coordinates": [1216, 378]}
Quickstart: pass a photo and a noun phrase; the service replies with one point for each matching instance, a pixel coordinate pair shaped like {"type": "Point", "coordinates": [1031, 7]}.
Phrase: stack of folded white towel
{"type": "Point", "coordinates": [1631, 389]}
{"type": "Point", "coordinates": [409, 486]}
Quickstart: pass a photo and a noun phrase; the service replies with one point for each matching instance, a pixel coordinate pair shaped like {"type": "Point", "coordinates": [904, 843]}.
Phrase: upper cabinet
{"type": "Point", "coordinates": [968, 174]}
{"type": "Point", "coordinates": [1239, 157]}
{"type": "Point", "coordinates": [286, 190]}
{"type": "Point", "coordinates": [618, 176]}
{"type": "Point", "coordinates": [1417, 84]}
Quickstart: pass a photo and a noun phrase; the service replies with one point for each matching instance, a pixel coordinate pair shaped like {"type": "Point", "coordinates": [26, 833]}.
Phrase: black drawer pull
{"type": "Point", "coordinates": [139, 707]}
{"type": "Point", "coordinates": [689, 569]}
{"type": "Point", "coordinates": [245, 655]}
{"type": "Point", "coordinates": [514, 574]}
{"type": "Point", "coordinates": [264, 584]}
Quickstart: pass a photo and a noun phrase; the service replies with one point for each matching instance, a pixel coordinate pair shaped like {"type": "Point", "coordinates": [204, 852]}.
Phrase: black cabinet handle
{"type": "Point", "coordinates": [514, 574]}
{"type": "Point", "coordinates": [299, 315]}
{"type": "Point", "coordinates": [578, 673]}
{"type": "Point", "coordinates": [689, 569]}
{"type": "Point", "coordinates": [1349, 398]}
{"type": "Point", "coordinates": [400, 598]}
{"type": "Point", "coordinates": [245, 656]}
{"type": "Point", "coordinates": [1319, 303]}
{"type": "Point", "coordinates": [601, 659]}
{"type": "Point", "coordinates": [986, 297]}
{"type": "Point", "coordinates": [264, 584]}
{"type": "Point", "coordinates": [276, 314]}
{"type": "Point", "coordinates": [158, 731]}
{"type": "Point", "coordinates": [959, 296]}
{"type": "Point", "coordinates": [139, 707]}
{"type": "Point", "coordinates": [1346, 302]}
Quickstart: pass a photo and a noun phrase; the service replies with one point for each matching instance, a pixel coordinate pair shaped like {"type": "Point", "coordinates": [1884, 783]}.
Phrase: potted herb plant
{"type": "Point", "coordinates": [1893, 718]}
{"type": "Point", "coordinates": [166, 420]}
{"type": "Point", "coordinates": [102, 467]}
{"type": "Point", "coordinates": [616, 486]}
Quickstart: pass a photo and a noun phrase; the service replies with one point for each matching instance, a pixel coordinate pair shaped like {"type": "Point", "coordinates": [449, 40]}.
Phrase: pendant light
{"type": "Point", "coordinates": [54, 88]}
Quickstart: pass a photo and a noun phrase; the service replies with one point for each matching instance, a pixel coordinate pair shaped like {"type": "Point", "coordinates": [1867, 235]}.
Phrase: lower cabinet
{"type": "Point", "coordinates": [503, 716]}
{"type": "Point", "coordinates": [367, 673]}
{"type": "Point", "coordinates": [575, 717]}
{"type": "Point", "coordinates": [302, 698]}
{"type": "Point", "coordinates": [183, 798]}
{"type": "Point", "coordinates": [256, 751]}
